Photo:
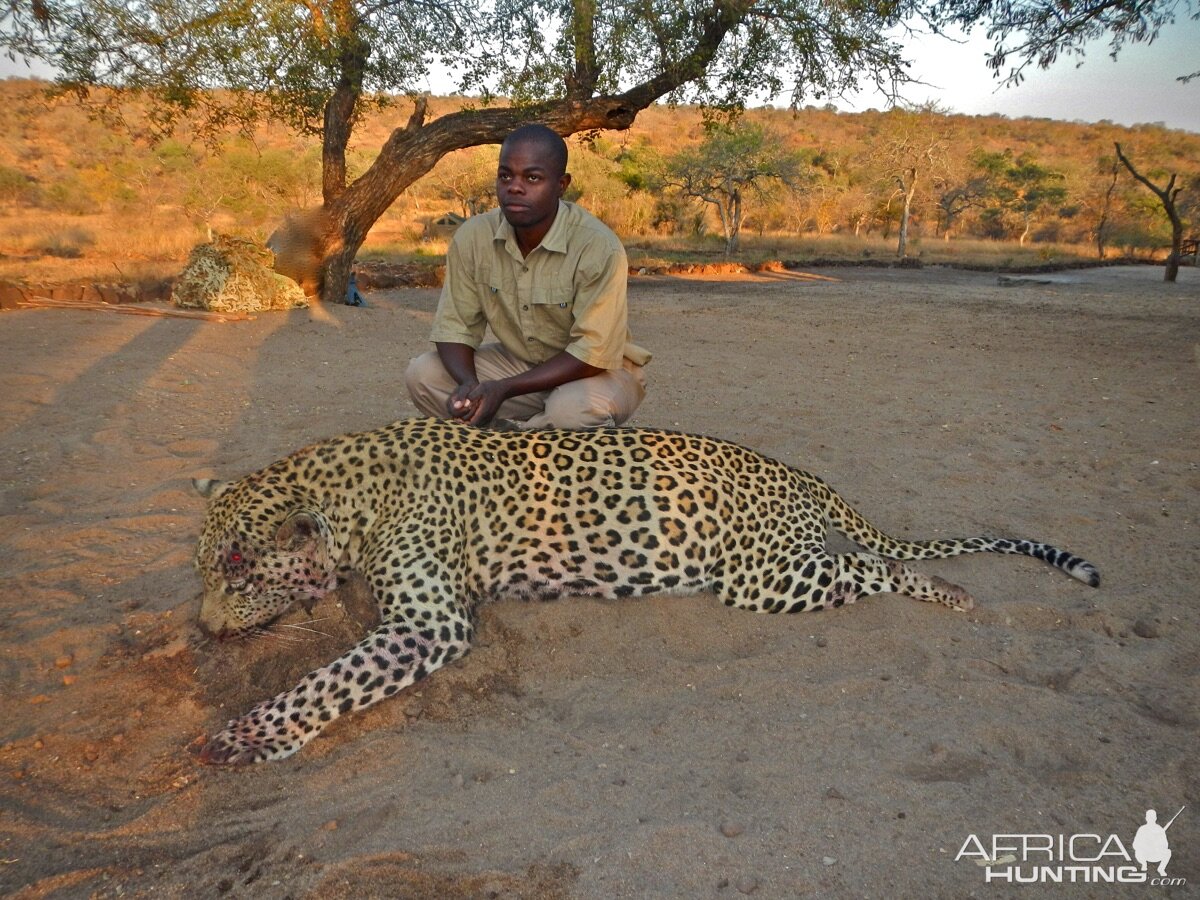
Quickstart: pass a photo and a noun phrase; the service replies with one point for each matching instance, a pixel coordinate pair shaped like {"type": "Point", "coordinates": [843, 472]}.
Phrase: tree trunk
{"type": "Point", "coordinates": [735, 224]}
{"type": "Point", "coordinates": [905, 213]}
{"type": "Point", "coordinates": [1105, 210]}
{"type": "Point", "coordinates": [1172, 271]}
{"type": "Point", "coordinates": [1167, 196]}
{"type": "Point", "coordinates": [415, 149]}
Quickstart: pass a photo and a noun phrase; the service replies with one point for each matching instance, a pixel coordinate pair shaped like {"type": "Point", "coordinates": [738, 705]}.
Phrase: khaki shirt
{"type": "Point", "coordinates": [568, 294]}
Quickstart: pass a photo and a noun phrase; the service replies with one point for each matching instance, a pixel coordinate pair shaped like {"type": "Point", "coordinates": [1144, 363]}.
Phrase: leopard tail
{"type": "Point", "coordinates": [851, 523]}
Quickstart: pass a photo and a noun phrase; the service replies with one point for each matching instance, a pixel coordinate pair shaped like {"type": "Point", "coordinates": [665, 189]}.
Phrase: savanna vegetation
{"type": "Point", "coordinates": [79, 198]}
{"type": "Point", "coordinates": [322, 68]}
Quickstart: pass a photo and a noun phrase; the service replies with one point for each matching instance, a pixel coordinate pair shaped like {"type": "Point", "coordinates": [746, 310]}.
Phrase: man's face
{"type": "Point", "coordinates": [528, 185]}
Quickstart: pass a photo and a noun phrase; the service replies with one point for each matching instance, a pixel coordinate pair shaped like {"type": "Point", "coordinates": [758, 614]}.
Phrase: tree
{"type": "Point", "coordinates": [1168, 196]}
{"type": "Point", "coordinates": [582, 65]}
{"type": "Point", "coordinates": [467, 177]}
{"type": "Point", "coordinates": [1027, 189]}
{"type": "Point", "coordinates": [1109, 168]}
{"type": "Point", "coordinates": [909, 146]}
{"type": "Point", "coordinates": [727, 166]}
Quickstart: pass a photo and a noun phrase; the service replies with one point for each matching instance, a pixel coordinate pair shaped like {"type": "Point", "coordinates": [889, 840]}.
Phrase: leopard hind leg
{"type": "Point", "coordinates": [819, 579]}
{"type": "Point", "coordinates": [863, 574]}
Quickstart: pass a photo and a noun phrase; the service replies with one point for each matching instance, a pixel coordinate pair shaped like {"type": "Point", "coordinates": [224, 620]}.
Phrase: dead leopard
{"type": "Point", "coordinates": [440, 517]}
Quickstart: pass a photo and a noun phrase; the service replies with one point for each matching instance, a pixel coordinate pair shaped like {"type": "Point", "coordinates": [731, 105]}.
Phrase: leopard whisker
{"type": "Point", "coordinates": [302, 628]}
{"type": "Point", "coordinates": [271, 634]}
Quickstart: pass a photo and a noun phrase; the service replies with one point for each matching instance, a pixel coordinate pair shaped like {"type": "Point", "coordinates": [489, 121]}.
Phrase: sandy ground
{"type": "Point", "coordinates": [666, 747]}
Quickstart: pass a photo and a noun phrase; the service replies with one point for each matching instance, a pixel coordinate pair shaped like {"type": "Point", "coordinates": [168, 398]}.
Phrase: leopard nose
{"type": "Point", "coordinates": [214, 618]}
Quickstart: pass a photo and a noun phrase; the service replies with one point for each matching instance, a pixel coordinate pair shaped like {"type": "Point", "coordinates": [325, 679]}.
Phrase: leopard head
{"type": "Point", "coordinates": [261, 550]}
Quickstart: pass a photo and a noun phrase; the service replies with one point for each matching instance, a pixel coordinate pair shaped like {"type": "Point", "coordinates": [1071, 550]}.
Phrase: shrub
{"type": "Point", "coordinates": [16, 186]}
{"type": "Point", "coordinates": [66, 243]}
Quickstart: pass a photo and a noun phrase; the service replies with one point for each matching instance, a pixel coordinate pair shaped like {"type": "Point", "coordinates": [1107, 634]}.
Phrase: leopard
{"type": "Point", "coordinates": [439, 517]}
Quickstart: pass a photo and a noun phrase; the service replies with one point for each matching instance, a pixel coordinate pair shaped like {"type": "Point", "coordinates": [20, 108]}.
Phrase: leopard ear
{"type": "Point", "coordinates": [208, 488]}
{"type": "Point", "coordinates": [298, 530]}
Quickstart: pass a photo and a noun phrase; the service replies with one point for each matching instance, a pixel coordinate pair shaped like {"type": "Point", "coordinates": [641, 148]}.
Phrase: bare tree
{"type": "Point", "coordinates": [1168, 196]}
{"type": "Point", "coordinates": [909, 146]}
{"type": "Point", "coordinates": [1111, 170]}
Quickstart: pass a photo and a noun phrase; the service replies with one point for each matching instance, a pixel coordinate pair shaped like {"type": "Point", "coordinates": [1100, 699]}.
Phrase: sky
{"type": "Point", "coordinates": [1139, 87]}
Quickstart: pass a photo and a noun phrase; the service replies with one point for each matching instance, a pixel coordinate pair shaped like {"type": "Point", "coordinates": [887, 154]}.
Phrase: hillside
{"type": "Point", "coordinates": [80, 199]}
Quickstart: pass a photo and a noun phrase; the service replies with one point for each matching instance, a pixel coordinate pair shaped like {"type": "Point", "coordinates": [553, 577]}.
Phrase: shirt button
{"type": "Point", "coordinates": [529, 339]}
{"type": "Point", "coordinates": [526, 306]}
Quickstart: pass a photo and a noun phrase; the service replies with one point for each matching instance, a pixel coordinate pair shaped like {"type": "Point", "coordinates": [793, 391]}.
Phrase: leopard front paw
{"type": "Point", "coordinates": [258, 736]}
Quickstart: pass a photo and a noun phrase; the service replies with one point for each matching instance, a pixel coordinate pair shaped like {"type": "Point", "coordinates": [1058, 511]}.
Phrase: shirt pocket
{"type": "Point", "coordinates": [553, 307]}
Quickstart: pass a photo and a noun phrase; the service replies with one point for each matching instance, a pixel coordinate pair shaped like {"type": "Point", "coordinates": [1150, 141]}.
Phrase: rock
{"type": "Point", "coordinates": [829, 860]}
{"type": "Point", "coordinates": [1147, 628]}
{"type": "Point", "coordinates": [234, 275]}
{"type": "Point", "coordinates": [731, 829]}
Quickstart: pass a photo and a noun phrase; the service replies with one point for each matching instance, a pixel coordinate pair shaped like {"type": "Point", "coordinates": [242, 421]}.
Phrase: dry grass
{"type": "Point", "coordinates": [38, 246]}
{"type": "Point", "coordinates": [47, 247]}
{"type": "Point", "coordinates": [652, 251]}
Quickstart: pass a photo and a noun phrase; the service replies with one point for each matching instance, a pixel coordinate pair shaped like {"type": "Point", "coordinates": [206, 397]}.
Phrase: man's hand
{"type": "Point", "coordinates": [481, 402]}
{"type": "Point", "coordinates": [459, 405]}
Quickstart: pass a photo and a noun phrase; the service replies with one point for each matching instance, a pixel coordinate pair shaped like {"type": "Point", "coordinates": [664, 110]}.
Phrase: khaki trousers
{"type": "Point", "coordinates": [605, 399]}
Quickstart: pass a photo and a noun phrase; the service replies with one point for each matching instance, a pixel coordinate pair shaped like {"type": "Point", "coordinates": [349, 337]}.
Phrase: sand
{"type": "Point", "coordinates": [665, 747]}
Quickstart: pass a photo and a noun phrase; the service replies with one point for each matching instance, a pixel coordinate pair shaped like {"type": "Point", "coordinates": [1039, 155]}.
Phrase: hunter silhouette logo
{"type": "Point", "coordinates": [1019, 858]}
{"type": "Point", "coordinates": [1150, 842]}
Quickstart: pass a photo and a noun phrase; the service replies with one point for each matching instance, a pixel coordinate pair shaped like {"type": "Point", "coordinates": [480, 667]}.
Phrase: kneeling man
{"type": "Point", "coordinates": [549, 279]}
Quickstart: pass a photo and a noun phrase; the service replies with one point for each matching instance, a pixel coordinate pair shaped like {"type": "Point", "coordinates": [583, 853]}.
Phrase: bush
{"type": "Point", "coordinates": [66, 243]}
{"type": "Point", "coordinates": [16, 186]}
{"type": "Point", "coordinates": [67, 194]}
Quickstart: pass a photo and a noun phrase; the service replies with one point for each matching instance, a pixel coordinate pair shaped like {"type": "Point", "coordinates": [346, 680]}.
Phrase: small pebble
{"type": "Point", "coordinates": [731, 829]}
{"type": "Point", "coordinates": [63, 661]}
{"type": "Point", "coordinates": [747, 885]}
{"type": "Point", "coordinates": [38, 744]}
{"type": "Point", "coordinates": [68, 680]}
{"type": "Point", "coordinates": [822, 641]}
{"type": "Point", "coordinates": [331, 825]}
{"type": "Point", "coordinates": [834, 794]}
{"type": "Point", "coordinates": [828, 860]}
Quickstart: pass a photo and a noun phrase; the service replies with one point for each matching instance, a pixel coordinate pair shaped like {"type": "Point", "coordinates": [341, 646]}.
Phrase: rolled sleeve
{"type": "Point", "coordinates": [601, 324]}
{"type": "Point", "coordinates": [460, 315]}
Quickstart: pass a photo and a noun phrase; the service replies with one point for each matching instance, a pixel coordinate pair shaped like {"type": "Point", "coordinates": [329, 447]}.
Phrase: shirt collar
{"type": "Point", "coordinates": [555, 240]}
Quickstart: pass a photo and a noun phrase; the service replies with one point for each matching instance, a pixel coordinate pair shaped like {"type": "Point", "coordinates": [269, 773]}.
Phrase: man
{"type": "Point", "coordinates": [549, 279]}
